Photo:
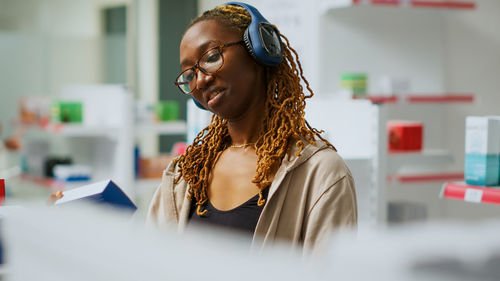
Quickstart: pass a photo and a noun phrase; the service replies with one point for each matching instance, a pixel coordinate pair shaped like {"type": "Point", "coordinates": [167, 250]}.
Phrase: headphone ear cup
{"type": "Point", "coordinates": [248, 45]}
{"type": "Point", "coordinates": [262, 39]}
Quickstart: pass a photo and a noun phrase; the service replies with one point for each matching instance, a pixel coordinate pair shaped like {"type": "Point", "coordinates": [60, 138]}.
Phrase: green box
{"type": "Point", "coordinates": [353, 76]}
{"type": "Point", "coordinates": [67, 112]}
{"type": "Point", "coordinates": [355, 82]}
{"type": "Point", "coordinates": [167, 110]}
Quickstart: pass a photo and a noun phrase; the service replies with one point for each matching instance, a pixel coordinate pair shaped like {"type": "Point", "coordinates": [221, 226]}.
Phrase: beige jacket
{"type": "Point", "coordinates": [311, 195]}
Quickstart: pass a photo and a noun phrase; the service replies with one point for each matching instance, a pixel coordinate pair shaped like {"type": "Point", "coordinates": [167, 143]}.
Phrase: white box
{"type": "Point", "coordinates": [482, 150]}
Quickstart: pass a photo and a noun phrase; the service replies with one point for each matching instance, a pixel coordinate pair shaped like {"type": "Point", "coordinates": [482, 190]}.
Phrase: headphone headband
{"type": "Point", "coordinates": [254, 13]}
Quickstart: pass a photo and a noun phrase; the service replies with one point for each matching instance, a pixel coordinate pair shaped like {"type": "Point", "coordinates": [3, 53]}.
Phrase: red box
{"type": "Point", "coordinates": [2, 191]}
{"type": "Point", "coordinates": [405, 136]}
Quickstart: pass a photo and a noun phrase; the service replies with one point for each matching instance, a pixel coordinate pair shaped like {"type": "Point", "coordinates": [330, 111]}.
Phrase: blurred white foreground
{"type": "Point", "coordinates": [89, 243]}
{"type": "Point", "coordinates": [86, 242]}
{"type": "Point", "coordinates": [437, 251]}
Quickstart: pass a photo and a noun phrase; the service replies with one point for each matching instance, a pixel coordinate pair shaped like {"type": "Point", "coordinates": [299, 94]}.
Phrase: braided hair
{"type": "Point", "coordinates": [283, 124]}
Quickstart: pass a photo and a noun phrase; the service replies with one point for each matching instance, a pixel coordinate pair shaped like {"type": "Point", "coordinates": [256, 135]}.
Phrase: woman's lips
{"type": "Point", "coordinates": [214, 97]}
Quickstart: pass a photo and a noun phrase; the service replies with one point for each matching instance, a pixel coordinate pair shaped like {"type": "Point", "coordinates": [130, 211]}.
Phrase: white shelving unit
{"type": "Point", "coordinates": [358, 130]}
{"type": "Point", "coordinates": [399, 39]}
{"type": "Point", "coordinates": [106, 137]}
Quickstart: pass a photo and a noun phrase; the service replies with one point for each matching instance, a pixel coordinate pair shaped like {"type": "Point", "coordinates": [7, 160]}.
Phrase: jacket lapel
{"type": "Point", "coordinates": [265, 231]}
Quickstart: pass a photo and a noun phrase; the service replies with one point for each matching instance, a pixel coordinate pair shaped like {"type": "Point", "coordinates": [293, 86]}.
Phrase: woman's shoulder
{"type": "Point", "coordinates": [323, 159]}
{"type": "Point", "coordinates": [324, 154]}
{"type": "Point", "coordinates": [171, 177]}
{"type": "Point", "coordinates": [318, 170]}
{"type": "Point", "coordinates": [172, 169]}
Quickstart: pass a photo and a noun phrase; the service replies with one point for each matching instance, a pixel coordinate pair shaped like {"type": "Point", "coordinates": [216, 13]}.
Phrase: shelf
{"type": "Point", "coordinates": [79, 130]}
{"type": "Point", "coordinates": [421, 98]}
{"type": "Point", "coordinates": [162, 128]}
{"type": "Point", "coordinates": [378, 99]}
{"type": "Point", "coordinates": [433, 4]}
{"type": "Point", "coordinates": [48, 183]}
{"type": "Point", "coordinates": [426, 178]}
{"type": "Point", "coordinates": [470, 193]}
{"type": "Point", "coordinates": [444, 4]}
{"type": "Point", "coordinates": [425, 158]}
{"type": "Point", "coordinates": [447, 98]}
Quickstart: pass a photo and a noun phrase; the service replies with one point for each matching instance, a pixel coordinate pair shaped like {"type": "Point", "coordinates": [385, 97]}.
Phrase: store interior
{"type": "Point", "coordinates": [400, 86]}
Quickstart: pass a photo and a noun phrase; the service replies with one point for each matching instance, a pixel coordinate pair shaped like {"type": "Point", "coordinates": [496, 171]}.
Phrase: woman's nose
{"type": "Point", "coordinates": [203, 80]}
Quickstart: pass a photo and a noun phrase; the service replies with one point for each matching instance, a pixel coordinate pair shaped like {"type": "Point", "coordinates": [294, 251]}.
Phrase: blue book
{"type": "Point", "coordinates": [104, 192]}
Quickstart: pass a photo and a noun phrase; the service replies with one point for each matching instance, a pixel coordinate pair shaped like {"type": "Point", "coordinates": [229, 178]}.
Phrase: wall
{"type": "Point", "coordinates": [47, 44]}
{"type": "Point", "coordinates": [174, 17]}
{"type": "Point", "coordinates": [147, 83]}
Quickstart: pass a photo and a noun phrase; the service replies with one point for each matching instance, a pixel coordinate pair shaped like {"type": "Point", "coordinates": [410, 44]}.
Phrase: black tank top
{"type": "Point", "coordinates": [243, 217]}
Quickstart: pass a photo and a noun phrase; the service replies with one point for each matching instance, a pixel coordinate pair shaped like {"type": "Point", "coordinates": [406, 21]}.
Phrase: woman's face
{"type": "Point", "coordinates": [238, 87]}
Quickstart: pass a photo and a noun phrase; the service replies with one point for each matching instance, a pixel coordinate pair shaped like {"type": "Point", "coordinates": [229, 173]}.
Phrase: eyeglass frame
{"type": "Point", "coordinates": [197, 65]}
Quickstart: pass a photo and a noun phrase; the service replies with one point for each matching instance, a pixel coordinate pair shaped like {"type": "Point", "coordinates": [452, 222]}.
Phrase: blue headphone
{"type": "Point", "coordinates": [262, 40]}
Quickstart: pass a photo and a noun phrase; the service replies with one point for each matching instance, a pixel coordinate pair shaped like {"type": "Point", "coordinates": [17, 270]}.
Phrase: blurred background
{"type": "Point", "coordinates": [86, 86]}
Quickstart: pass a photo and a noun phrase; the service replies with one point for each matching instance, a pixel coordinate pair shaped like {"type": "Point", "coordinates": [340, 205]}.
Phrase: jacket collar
{"type": "Point", "coordinates": [290, 163]}
{"type": "Point", "coordinates": [309, 150]}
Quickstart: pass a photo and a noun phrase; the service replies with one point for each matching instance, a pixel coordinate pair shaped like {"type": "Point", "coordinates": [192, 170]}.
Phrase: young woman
{"type": "Point", "coordinates": [259, 166]}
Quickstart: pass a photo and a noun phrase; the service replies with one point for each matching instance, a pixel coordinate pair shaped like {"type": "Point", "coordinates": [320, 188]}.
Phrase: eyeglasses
{"type": "Point", "coordinates": [209, 63]}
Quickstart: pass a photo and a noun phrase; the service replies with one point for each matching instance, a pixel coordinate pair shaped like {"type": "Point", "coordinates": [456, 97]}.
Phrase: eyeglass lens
{"type": "Point", "coordinates": [209, 63]}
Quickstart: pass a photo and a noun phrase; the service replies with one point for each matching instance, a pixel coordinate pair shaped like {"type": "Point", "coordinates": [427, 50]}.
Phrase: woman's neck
{"type": "Point", "coordinates": [246, 129]}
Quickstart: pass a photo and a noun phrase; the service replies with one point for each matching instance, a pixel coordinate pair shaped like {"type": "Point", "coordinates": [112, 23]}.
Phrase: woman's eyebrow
{"type": "Point", "coordinates": [202, 47]}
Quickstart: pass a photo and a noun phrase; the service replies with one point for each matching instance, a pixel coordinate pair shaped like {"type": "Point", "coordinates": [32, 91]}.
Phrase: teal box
{"type": "Point", "coordinates": [482, 169]}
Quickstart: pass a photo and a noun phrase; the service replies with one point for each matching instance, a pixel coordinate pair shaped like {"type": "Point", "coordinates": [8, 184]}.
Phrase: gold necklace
{"type": "Point", "coordinates": [242, 145]}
